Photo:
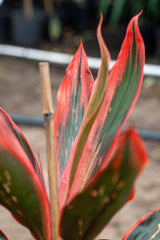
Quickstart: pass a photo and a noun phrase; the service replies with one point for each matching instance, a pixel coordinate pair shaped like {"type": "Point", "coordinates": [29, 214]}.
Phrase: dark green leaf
{"type": "Point", "coordinates": [88, 213]}
{"type": "Point", "coordinates": [25, 198]}
{"type": "Point", "coordinates": [21, 190]}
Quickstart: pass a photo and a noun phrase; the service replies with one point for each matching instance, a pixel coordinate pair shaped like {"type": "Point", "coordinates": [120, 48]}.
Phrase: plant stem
{"type": "Point", "coordinates": [28, 8]}
{"type": "Point", "coordinates": [49, 132]}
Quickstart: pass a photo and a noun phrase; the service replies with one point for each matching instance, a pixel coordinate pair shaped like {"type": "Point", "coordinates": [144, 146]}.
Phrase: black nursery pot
{"type": "Point", "coordinates": [81, 21]}
{"type": "Point", "coordinates": [148, 34]}
{"type": "Point", "coordinates": [157, 40]}
{"type": "Point", "coordinates": [74, 14]}
{"type": "Point", "coordinates": [4, 25]}
{"type": "Point", "coordinates": [27, 31]}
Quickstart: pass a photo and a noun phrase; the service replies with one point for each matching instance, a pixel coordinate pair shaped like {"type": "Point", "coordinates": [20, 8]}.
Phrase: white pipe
{"type": "Point", "coordinates": [62, 58]}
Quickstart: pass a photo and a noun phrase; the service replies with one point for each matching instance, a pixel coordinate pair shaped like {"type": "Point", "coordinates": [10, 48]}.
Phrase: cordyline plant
{"type": "Point", "coordinates": [93, 183]}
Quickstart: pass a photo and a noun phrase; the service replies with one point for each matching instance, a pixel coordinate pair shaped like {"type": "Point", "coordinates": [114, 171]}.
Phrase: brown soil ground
{"type": "Point", "coordinates": [20, 94]}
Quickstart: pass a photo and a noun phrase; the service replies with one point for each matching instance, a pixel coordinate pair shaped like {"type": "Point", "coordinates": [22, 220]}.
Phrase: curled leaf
{"type": "Point", "coordinates": [88, 213]}
{"type": "Point", "coordinates": [21, 189]}
{"type": "Point", "coordinates": [22, 141]}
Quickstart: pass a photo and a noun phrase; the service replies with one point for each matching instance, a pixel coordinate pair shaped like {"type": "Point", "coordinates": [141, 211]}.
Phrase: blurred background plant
{"type": "Point", "coordinates": [116, 10]}
{"type": "Point", "coordinates": [65, 19]}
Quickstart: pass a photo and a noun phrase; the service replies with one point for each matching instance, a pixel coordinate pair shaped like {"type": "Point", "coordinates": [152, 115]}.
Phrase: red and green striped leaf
{"type": "Point", "coordinates": [3, 236]}
{"type": "Point", "coordinates": [123, 87]}
{"type": "Point", "coordinates": [72, 100]}
{"type": "Point", "coordinates": [89, 212]}
{"type": "Point", "coordinates": [23, 142]}
{"type": "Point", "coordinates": [146, 228]}
{"type": "Point", "coordinates": [21, 190]}
{"type": "Point", "coordinates": [93, 107]}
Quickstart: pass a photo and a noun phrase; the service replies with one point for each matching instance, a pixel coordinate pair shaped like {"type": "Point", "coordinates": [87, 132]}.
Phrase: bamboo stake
{"type": "Point", "coordinates": [28, 8]}
{"type": "Point", "coordinates": [49, 132]}
{"type": "Point", "coordinates": [48, 6]}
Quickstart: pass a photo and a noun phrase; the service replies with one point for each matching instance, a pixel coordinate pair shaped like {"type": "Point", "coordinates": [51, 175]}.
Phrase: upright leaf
{"type": "Point", "coordinates": [95, 102]}
{"type": "Point", "coordinates": [88, 213]}
{"type": "Point", "coordinates": [94, 105]}
{"type": "Point", "coordinates": [72, 100]}
{"type": "Point", "coordinates": [146, 228]}
{"type": "Point", "coordinates": [21, 190]}
{"type": "Point", "coordinates": [124, 84]}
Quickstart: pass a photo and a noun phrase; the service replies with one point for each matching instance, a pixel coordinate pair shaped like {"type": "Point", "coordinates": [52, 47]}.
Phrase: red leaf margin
{"type": "Point", "coordinates": [9, 143]}
{"type": "Point", "coordinates": [138, 223]}
{"type": "Point", "coordinates": [136, 146]}
{"type": "Point", "coordinates": [15, 130]}
{"type": "Point", "coordinates": [99, 87]}
{"type": "Point", "coordinates": [130, 152]}
{"type": "Point", "coordinates": [63, 105]}
{"type": "Point", "coordinates": [113, 73]}
{"type": "Point", "coordinates": [114, 79]}
{"type": "Point", "coordinates": [3, 234]}
{"type": "Point", "coordinates": [64, 93]}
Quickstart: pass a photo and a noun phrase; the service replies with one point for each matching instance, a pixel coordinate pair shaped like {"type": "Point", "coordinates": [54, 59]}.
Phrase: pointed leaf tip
{"type": "Point", "coordinates": [121, 91]}
{"type": "Point", "coordinates": [72, 101]}
{"type": "Point", "coordinates": [105, 55]}
{"type": "Point", "coordinates": [92, 111]}
{"type": "Point", "coordinates": [100, 23]}
{"type": "Point", "coordinates": [110, 103]}
{"type": "Point", "coordinates": [140, 156]}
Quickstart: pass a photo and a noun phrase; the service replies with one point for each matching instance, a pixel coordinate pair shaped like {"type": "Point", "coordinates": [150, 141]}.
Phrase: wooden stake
{"type": "Point", "coordinates": [28, 8]}
{"type": "Point", "coordinates": [48, 6]}
{"type": "Point", "coordinates": [49, 132]}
